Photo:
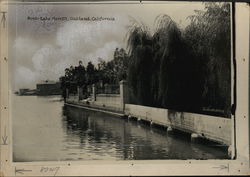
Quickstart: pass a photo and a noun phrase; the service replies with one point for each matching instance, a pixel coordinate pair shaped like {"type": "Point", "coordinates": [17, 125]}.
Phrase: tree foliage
{"type": "Point", "coordinates": [208, 36]}
{"type": "Point", "coordinates": [139, 43]}
{"type": "Point", "coordinates": [110, 72]}
{"type": "Point", "coordinates": [181, 69]}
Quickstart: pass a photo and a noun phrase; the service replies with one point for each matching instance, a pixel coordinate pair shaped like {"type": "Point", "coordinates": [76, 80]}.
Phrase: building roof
{"type": "Point", "coordinates": [47, 82]}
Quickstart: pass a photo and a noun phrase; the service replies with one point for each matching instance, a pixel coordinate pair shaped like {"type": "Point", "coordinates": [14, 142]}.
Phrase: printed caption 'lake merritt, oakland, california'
{"type": "Point", "coordinates": [76, 18]}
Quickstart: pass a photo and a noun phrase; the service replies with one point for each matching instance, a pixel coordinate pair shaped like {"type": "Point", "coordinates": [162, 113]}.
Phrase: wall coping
{"type": "Point", "coordinates": [108, 95]}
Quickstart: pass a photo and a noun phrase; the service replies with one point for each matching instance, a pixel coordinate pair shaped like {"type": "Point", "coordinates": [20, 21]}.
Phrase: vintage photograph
{"type": "Point", "coordinates": [121, 81]}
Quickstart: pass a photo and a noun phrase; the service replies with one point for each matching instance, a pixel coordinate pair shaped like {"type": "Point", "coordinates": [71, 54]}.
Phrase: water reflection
{"type": "Point", "coordinates": [46, 130]}
{"type": "Point", "coordinates": [123, 139]}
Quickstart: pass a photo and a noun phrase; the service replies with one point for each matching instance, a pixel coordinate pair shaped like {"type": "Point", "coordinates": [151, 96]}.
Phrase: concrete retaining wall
{"type": "Point", "coordinates": [156, 115]}
{"type": "Point", "coordinates": [210, 127]}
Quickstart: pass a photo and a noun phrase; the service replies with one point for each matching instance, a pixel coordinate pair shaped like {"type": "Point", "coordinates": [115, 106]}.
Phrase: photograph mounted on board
{"type": "Point", "coordinates": [121, 81]}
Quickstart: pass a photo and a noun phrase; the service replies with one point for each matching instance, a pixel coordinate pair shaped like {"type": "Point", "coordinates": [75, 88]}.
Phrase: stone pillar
{"type": "Point", "coordinates": [93, 92]}
{"type": "Point", "coordinates": [80, 93]}
{"type": "Point", "coordinates": [124, 95]}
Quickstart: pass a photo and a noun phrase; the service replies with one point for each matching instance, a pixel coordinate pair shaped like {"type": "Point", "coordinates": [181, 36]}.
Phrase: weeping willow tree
{"type": "Point", "coordinates": [170, 42]}
{"type": "Point", "coordinates": [178, 84]}
{"type": "Point", "coordinates": [208, 36]}
{"type": "Point", "coordinates": [139, 43]}
{"type": "Point", "coordinates": [159, 70]}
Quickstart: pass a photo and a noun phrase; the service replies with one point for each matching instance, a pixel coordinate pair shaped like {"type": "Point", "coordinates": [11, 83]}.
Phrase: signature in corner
{"type": "Point", "coordinates": [50, 170]}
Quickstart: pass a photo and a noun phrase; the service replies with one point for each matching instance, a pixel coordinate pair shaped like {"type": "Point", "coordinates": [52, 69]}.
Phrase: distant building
{"type": "Point", "coordinates": [23, 91]}
{"type": "Point", "coordinates": [48, 88]}
{"type": "Point", "coordinates": [26, 92]}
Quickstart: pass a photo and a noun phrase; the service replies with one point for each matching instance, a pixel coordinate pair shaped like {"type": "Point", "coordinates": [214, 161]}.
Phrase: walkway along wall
{"type": "Point", "coordinates": [108, 101]}
{"type": "Point", "coordinates": [111, 102]}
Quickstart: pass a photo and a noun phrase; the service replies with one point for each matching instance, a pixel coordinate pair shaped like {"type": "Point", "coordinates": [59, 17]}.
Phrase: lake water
{"type": "Point", "coordinates": [46, 130]}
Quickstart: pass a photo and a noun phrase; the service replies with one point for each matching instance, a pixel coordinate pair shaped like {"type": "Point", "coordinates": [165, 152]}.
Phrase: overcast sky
{"type": "Point", "coordinates": [42, 50]}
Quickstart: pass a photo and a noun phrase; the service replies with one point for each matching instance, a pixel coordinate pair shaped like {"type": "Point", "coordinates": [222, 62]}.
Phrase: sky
{"type": "Point", "coordinates": [42, 49]}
